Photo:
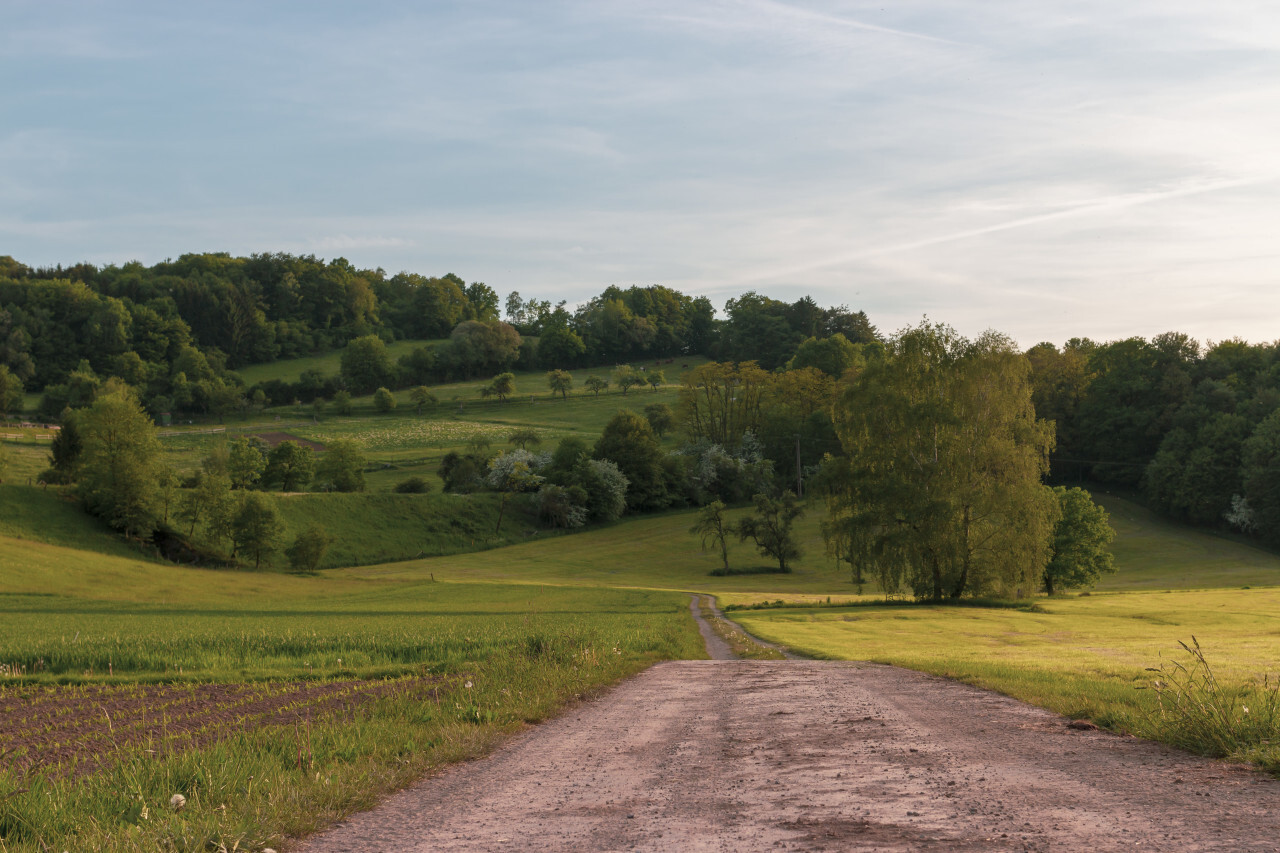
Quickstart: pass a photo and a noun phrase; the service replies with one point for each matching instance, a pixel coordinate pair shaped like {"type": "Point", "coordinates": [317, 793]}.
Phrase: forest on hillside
{"type": "Point", "coordinates": [1194, 429]}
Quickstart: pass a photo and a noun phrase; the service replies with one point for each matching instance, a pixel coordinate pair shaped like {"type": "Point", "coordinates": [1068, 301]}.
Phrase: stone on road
{"type": "Point", "coordinates": [815, 755]}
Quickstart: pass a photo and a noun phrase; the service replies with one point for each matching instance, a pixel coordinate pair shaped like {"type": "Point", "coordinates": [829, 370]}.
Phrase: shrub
{"type": "Point", "coordinates": [412, 486]}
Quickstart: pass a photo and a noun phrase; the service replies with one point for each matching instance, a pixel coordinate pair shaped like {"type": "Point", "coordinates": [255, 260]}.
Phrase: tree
{"type": "Point", "coordinates": [209, 501]}
{"type": "Point", "coordinates": [308, 549]}
{"type": "Point", "coordinates": [560, 381]}
{"type": "Point", "coordinates": [245, 462]}
{"type": "Point", "coordinates": [558, 508]}
{"type": "Point", "coordinates": [289, 466]}
{"type": "Point", "coordinates": [714, 529]}
{"type": "Point", "coordinates": [524, 437]}
{"type": "Point", "coordinates": [510, 473]}
{"type": "Point", "coordinates": [1078, 554]}
{"type": "Point", "coordinates": [1261, 474]}
{"type": "Point", "coordinates": [628, 442]}
{"type": "Point", "coordinates": [946, 458]}
{"type": "Point", "coordinates": [655, 378]}
{"type": "Point", "coordinates": [832, 355]}
{"type": "Point", "coordinates": [366, 364]}
{"type": "Point", "coordinates": [256, 527]}
{"type": "Point", "coordinates": [606, 487]}
{"type": "Point", "coordinates": [64, 451]}
{"type": "Point", "coordinates": [477, 347]}
{"type": "Point", "coordinates": [502, 386]}
{"type": "Point", "coordinates": [421, 396]}
{"type": "Point", "coordinates": [120, 462]}
{"type": "Point", "coordinates": [771, 527]}
{"type": "Point", "coordinates": [383, 400]}
{"type": "Point", "coordinates": [10, 392]}
{"type": "Point", "coordinates": [342, 401]}
{"type": "Point", "coordinates": [626, 377]}
{"type": "Point", "coordinates": [721, 402]}
{"type": "Point", "coordinates": [596, 384]}
{"type": "Point", "coordinates": [341, 467]}
{"type": "Point", "coordinates": [560, 347]}
{"type": "Point", "coordinates": [660, 418]}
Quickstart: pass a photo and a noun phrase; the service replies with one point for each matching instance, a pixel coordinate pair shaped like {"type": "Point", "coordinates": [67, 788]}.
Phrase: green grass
{"type": "Point", "coordinates": [1154, 553]}
{"type": "Point", "coordinates": [73, 612]}
{"type": "Point", "coordinates": [508, 654]}
{"type": "Point", "coordinates": [329, 363]}
{"type": "Point", "coordinates": [378, 528]}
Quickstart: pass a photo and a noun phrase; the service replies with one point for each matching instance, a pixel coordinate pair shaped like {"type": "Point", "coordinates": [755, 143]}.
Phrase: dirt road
{"type": "Point", "coordinates": [810, 755]}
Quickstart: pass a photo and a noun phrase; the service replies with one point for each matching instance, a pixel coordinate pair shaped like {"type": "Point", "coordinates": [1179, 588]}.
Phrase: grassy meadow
{"type": "Point", "coordinates": [475, 633]}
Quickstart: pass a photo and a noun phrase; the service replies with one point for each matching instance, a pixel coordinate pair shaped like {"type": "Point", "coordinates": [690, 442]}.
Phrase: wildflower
{"type": "Point", "coordinates": [177, 802]}
{"type": "Point", "coordinates": [467, 685]}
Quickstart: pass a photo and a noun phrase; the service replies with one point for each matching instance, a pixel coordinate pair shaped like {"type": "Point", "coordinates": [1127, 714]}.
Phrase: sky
{"type": "Point", "coordinates": [1049, 169]}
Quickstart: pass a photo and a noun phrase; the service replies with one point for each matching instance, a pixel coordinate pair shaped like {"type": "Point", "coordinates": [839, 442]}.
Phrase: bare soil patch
{"type": "Point", "coordinates": [72, 730]}
{"type": "Point", "coordinates": [817, 755]}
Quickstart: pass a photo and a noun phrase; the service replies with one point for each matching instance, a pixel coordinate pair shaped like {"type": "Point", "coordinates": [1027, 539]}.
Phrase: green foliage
{"type": "Point", "coordinates": [383, 400]}
{"type": "Point", "coordinates": [596, 384]}
{"type": "Point", "coordinates": [523, 438]}
{"type": "Point", "coordinates": [256, 527]}
{"type": "Point", "coordinates": [307, 551]}
{"type": "Point", "coordinates": [246, 461]}
{"type": "Point", "coordinates": [11, 392]}
{"type": "Point", "coordinates": [290, 466]}
{"type": "Point", "coordinates": [627, 377]}
{"type": "Point", "coordinates": [342, 402]}
{"type": "Point", "coordinates": [341, 467]}
{"type": "Point", "coordinates": [655, 378]}
{"type": "Point", "coordinates": [714, 530]}
{"type": "Point", "coordinates": [945, 462]}
{"type": "Point", "coordinates": [1078, 552]}
{"type": "Point", "coordinates": [660, 417]}
{"type": "Point", "coordinates": [772, 528]}
{"type": "Point", "coordinates": [1261, 477]}
{"type": "Point", "coordinates": [64, 451]}
{"type": "Point", "coordinates": [628, 442]}
{"type": "Point", "coordinates": [832, 355]}
{"type": "Point", "coordinates": [560, 381]}
{"type": "Point", "coordinates": [209, 501]}
{"type": "Point", "coordinates": [560, 347]}
{"type": "Point", "coordinates": [477, 348]}
{"type": "Point", "coordinates": [561, 507]}
{"type": "Point", "coordinates": [421, 396]}
{"type": "Point", "coordinates": [120, 463]}
{"type": "Point", "coordinates": [502, 386]}
{"type": "Point", "coordinates": [462, 472]}
{"type": "Point", "coordinates": [366, 364]}
{"type": "Point", "coordinates": [412, 486]}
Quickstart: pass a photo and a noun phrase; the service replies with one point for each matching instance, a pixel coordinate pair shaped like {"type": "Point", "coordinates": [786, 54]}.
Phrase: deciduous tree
{"type": "Point", "coordinates": [1079, 554]}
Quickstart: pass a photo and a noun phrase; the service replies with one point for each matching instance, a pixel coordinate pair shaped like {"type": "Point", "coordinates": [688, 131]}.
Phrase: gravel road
{"type": "Point", "coordinates": [813, 755]}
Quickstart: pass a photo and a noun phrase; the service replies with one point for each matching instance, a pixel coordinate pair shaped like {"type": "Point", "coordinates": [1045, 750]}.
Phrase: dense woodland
{"type": "Point", "coordinates": [1193, 429]}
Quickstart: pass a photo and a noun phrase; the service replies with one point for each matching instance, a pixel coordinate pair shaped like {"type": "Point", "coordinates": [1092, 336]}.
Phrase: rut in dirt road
{"type": "Point", "coordinates": [815, 755]}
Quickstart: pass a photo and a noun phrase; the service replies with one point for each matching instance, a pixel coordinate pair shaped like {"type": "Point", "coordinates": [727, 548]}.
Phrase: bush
{"type": "Point", "coordinates": [412, 486]}
{"type": "Point", "coordinates": [383, 400]}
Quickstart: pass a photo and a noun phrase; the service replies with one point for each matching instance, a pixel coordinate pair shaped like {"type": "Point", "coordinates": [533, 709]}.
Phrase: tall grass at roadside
{"type": "Point", "coordinates": [1086, 657]}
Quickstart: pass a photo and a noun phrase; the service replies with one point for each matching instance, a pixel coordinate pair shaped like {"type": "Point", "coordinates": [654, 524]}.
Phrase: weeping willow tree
{"type": "Point", "coordinates": [941, 487]}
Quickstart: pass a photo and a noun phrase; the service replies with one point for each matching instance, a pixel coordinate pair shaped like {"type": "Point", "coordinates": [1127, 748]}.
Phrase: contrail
{"type": "Point", "coordinates": [1114, 203]}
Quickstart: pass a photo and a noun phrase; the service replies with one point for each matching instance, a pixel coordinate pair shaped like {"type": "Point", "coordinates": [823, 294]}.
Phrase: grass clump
{"type": "Point", "coordinates": [1197, 712]}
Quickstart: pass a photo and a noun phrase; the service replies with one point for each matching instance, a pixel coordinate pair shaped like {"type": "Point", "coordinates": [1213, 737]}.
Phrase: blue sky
{"type": "Point", "coordinates": [1048, 169]}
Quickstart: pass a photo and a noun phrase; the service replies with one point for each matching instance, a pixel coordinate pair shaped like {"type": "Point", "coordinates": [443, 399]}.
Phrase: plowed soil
{"type": "Point", "coordinates": [813, 755]}
{"type": "Point", "coordinates": [73, 730]}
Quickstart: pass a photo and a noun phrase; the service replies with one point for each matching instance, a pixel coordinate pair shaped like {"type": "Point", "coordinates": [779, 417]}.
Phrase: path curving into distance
{"type": "Point", "coordinates": [724, 755]}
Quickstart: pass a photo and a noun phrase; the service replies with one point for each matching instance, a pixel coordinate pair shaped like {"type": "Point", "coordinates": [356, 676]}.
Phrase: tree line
{"type": "Point", "coordinates": [177, 330]}
{"type": "Point", "coordinates": [1194, 430]}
